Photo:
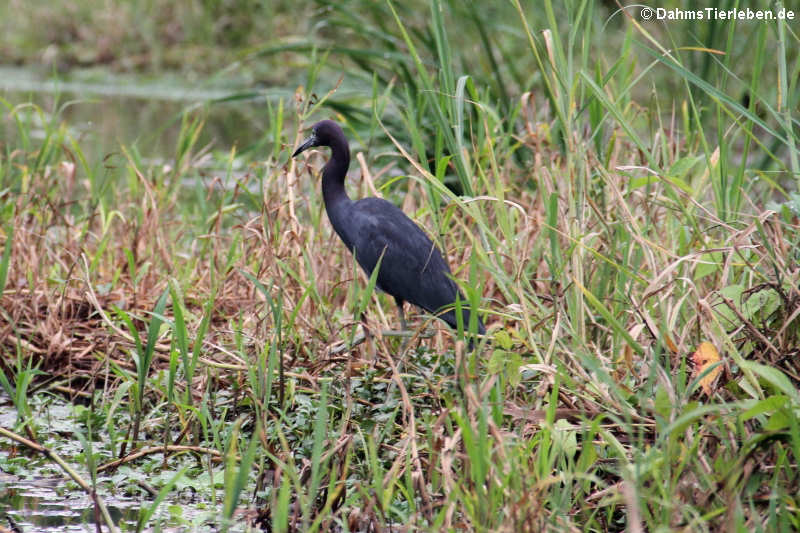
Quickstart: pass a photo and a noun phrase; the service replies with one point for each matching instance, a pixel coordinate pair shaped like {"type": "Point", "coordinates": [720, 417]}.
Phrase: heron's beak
{"type": "Point", "coordinates": [308, 143]}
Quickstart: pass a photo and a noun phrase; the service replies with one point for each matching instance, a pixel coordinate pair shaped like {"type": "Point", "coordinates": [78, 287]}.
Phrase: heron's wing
{"type": "Point", "coordinates": [412, 268]}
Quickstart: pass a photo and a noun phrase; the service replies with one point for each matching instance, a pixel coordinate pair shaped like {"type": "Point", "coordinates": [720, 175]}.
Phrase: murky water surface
{"type": "Point", "coordinates": [35, 495]}
{"type": "Point", "coordinates": [106, 114]}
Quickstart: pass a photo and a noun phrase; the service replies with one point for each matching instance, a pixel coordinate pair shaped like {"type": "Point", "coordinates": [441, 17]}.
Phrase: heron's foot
{"type": "Point", "coordinates": [361, 338]}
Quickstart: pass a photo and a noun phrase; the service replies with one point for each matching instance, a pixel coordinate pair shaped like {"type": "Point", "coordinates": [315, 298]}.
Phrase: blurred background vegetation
{"type": "Point", "coordinates": [241, 53]}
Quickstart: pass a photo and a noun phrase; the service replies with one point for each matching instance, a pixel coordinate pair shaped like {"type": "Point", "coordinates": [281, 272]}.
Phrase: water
{"type": "Point", "coordinates": [106, 112]}
{"type": "Point", "coordinates": [38, 504]}
{"type": "Point", "coordinates": [35, 495]}
{"type": "Point", "coordinates": [44, 504]}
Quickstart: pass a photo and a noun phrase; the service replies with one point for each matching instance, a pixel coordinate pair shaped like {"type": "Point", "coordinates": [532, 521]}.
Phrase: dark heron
{"type": "Point", "coordinates": [412, 268]}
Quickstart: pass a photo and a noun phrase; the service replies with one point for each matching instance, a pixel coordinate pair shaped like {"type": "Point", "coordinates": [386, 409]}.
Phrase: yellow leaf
{"type": "Point", "coordinates": [671, 344]}
{"type": "Point", "coordinates": [705, 356]}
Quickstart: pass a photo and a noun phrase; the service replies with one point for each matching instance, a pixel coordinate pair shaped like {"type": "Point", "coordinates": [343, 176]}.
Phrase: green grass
{"type": "Point", "coordinates": [600, 185]}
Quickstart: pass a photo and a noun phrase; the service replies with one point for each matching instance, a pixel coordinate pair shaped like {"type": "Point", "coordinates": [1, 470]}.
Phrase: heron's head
{"type": "Point", "coordinates": [323, 133]}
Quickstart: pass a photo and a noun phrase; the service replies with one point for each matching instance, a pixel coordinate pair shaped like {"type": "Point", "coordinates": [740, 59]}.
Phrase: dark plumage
{"type": "Point", "coordinates": [412, 269]}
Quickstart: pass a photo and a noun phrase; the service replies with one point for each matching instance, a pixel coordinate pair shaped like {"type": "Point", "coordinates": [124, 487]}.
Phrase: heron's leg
{"type": "Point", "coordinates": [404, 343]}
{"type": "Point", "coordinates": [362, 318]}
{"type": "Point", "coordinates": [403, 324]}
{"type": "Point", "coordinates": [368, 337]}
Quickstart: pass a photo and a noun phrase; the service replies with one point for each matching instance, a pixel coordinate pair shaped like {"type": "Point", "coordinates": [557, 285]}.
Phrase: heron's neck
{"type": "Point", "coordinates": [337, 203]}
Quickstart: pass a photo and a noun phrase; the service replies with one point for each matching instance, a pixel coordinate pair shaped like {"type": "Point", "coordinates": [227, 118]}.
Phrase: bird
{"type": "Point", "coordinates": [412, 268]}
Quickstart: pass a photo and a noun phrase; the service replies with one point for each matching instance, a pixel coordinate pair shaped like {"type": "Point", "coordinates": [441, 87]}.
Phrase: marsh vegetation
{"type": "Point", "coordinates": [620, 195]}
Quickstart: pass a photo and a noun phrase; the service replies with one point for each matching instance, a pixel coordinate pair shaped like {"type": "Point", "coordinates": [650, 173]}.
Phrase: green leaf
{"type": "Point", "coordinates": [638, 183]}
{"type": "Point", "coordinates": [682, 166]}
{"type": "Point", "coordinates": [503, 339]}
{"type": "Point", "coordinates": [145, 513]}
{"type": "Point", "coordinates": [734, 294]}
{"type": "Point", "coordinates": [708, 264]}
{"type": "Point", "coordinates": [496, 361]}
{"type": "Point", "coordinates": [759, 306]}
{"type": "Point", "coordinates": [776, 378]}
{"type": "Point", "coordinates": [6, 260]}
{"type": "Point", "coordinates": [773, 403]}
{"type": "Point", "coordinates": [778, 421]}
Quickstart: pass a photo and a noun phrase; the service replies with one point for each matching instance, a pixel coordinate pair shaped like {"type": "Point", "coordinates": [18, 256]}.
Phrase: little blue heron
{"type": "Point", "coordinates": [412, 268]}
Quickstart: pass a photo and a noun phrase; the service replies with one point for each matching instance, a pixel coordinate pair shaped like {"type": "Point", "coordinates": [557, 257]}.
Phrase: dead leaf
{"type": "Point", "coordinates": [705, 356]}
